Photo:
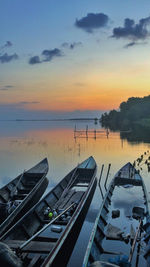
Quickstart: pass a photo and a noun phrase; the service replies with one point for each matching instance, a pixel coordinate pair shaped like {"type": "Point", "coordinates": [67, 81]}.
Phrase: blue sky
{"type": "Point", "coordinates": [51, 61]}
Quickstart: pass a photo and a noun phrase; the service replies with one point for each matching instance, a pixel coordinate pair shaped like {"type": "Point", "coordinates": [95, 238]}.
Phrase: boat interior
{"type": "Point", "coordinates": [63, 199]}
{"type": "Point", "coordinates": [123, 211]}
{"type": "Point", "coordinates": [12, 195]}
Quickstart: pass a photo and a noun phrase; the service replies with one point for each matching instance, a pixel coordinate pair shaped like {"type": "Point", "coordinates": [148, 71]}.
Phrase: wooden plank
{"type": "Point", "coordinates": [62, 201]}
{"type": "Point", "coordinates": [75, 198]}
{"type": "Point", "coordinates": [47, 203]}
{"type": "Point", "coordinates": [103, 219]}
{"type": "Point", "coordinates": [81, 185]}
{"type": "Point", "coordinates": [33, 246]}
{"type": "Point", "coordinates": [38, 216]}
{"type": "Point", "coordinates": [3, 199]}
{"type": "Point", "coordinates": [34, 260]}
{"type": "Point", "coordinates": [25, 230]}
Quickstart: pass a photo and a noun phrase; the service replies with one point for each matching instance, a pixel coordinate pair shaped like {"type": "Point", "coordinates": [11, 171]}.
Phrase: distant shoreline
{"type": "Point", "coordinates": [74, 119]}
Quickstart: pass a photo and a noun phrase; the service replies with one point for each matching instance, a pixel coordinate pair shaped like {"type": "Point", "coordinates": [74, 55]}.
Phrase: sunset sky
{"type": "Point", "coordinates": [63, 57]}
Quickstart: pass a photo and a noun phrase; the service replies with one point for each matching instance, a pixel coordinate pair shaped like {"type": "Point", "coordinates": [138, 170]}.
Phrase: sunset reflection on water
{"type": "Point", "coordinates": [23, 144]}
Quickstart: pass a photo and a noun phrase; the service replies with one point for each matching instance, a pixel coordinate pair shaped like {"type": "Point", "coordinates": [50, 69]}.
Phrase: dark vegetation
{"type": "Point", "coordinates": [132, 114]}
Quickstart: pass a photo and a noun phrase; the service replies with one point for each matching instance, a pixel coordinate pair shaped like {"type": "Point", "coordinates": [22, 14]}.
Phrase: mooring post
{"type": "Point", "coordinates": [107, 175]}
{"type": "Point", "coordinates": [100, 181]}
{"type": "Point", "coordinates": [95, 134]}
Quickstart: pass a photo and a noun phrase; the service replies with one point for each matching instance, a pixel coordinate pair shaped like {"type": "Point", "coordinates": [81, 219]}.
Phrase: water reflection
{"type": "Point", "coordinates": [23, 144]}
{"type": "Point", "coordinates": [137, 134]}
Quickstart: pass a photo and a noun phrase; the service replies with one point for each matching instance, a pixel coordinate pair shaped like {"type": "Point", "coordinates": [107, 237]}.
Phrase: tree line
{"type": "Point", "coordinates": [132, 113]}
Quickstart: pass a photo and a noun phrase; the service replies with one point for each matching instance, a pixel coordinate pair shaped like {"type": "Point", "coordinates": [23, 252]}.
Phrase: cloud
{"type": "Point", "coordinates": [6, 87]}
{"type": "Point", "coordinates": [9, 86]}
{"type": "Point", "coordinates": [46, 56]}
{"type": "Point", "coordinates": [5, 58]}
{"type": "Point", "coordinates": [80, 84]}
{"type": "Point", "coordinates": [92, 22]}
{"type": "Point", "coordinates": [134, 43]}
{"type": "Point", "coordinates": [34, 60]}
{"type": "Point", "coordinates": [28, 102]}
{"type": "Point", "coordinates": [130, 44]}
{"type": "Point", "coordinates": [71, 45]}
{"type": "Point", "coordinates": [8, 44]}
{"type": "Point", "coordinates": [132, 31]}
{"type": "Point", "coordinates": [50, 54]}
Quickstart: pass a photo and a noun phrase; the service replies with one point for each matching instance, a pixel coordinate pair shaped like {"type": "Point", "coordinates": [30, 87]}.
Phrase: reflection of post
{"type": "Point", "coordinates": [122, 143]}
{"type": "Point", "coordinates": [79, 150]}
{"type": "Point", "coordinates": [107, 175]}
{"type": "Point", "coordinates": [107, 132]}
{"type": "Point", "coordinates": [86, 131]}
{"type": "Point", "coordinates": [75, 132]}
{"type": "Point", "coordinates": [95, 134]}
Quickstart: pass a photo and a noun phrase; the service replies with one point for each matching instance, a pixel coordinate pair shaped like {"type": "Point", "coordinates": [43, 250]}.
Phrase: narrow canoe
{"type": "Point", "coordinates": [50, 240]}
{"type": "Point", "coordinates": [22, 193]}
{"type": "Point", "coordinates": [117, 238]}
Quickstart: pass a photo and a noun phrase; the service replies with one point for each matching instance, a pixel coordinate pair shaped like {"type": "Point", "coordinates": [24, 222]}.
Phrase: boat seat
{"type": "Point", "coordinates": [19, 196]}
{"type": "Point", "coordinates": [102, 264]}
{"type": "Point", "coordinates": [113, 232]}
{"type": "Point", "coordinates": [34, 260]}
{"type": "Point", "coordinates": [23, 191]}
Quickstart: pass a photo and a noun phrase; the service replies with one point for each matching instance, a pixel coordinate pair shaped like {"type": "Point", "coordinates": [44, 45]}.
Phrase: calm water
{"type": "Point", "coordinates": [23, 144]}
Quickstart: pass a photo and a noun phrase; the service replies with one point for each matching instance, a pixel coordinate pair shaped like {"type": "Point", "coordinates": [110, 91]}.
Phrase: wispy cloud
{"type": "Point", "coordinates": [5, 58]}
{"type": "Point", "coordinates": [6, 45]}
{"type": "Point", "coordinates": [46, 56]}
{"type": "Point", "coordinates": [92, 22]}
{"type": "Point", "coordinates": [28, 102]}
{"type": "Point", "coordinates": [71, 45]}
{"type": "Point", "coordinates": [6, 87]}
{"type": "Point", "coordinates": [131, 44]}
{"type": "Point", "coordinates": [80, 84]}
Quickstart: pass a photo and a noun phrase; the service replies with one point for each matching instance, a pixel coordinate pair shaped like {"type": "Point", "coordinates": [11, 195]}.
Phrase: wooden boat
{"type": "Point", "coordinates": [42, 240]}
{"type": "Point", "coordinates": [19, 195]}
{"type": "Point", "coordinates": [122, 228]}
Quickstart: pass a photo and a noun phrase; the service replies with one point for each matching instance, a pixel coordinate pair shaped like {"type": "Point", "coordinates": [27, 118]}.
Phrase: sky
{"type": "Point", "coordinates": [72, 58]}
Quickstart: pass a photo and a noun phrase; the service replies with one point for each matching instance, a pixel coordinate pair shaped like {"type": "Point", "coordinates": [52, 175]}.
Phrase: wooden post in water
{"type": "Point", "coordinates": [95, 134]}
{"type": "Point", "coordinates": [107, 175]}
{"type": "Point", "coordinates": [100, 181]}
